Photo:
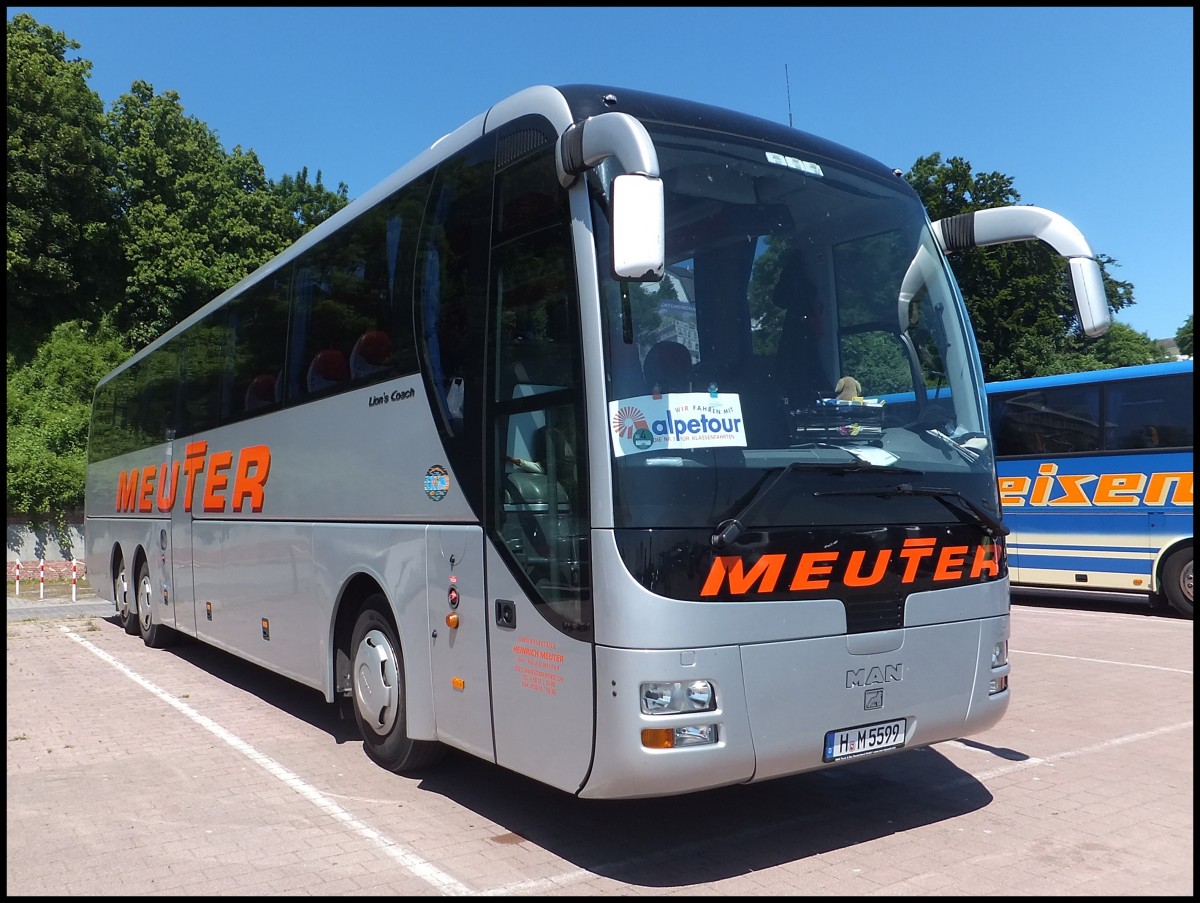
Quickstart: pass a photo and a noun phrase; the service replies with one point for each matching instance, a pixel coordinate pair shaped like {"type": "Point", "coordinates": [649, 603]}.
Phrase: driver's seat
{"type": "Point", "coordinates": [668, 368]}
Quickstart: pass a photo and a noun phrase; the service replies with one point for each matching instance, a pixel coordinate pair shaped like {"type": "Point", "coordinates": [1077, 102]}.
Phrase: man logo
{"type": "Point", "coordinates": [864, 677]}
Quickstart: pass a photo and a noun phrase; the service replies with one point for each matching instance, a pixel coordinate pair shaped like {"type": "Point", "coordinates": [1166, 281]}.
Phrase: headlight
{"type": "Point", "coordinates": [674, 697]}
{"type": "Point", "coordinates": [1000, 654]}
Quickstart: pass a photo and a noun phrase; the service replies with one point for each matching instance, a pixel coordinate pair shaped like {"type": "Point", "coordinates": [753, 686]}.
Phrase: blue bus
{"type": "Point", "coordinates": [1095, 474]}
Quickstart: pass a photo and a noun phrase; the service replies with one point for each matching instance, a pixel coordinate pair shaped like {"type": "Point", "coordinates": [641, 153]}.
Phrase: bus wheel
{"type": "Point", "coordinates": [126, 608]}
{"type": "Point", "coordinates": [1177, 581]}
{"type": "Point", "coordinates": [377, 673]}
{"type": "Point", "coordinates": [154, 634]}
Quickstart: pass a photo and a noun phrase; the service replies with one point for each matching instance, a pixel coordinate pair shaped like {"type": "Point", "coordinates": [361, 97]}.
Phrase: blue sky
{"type": "Point", "coordinates": [1088, 111]}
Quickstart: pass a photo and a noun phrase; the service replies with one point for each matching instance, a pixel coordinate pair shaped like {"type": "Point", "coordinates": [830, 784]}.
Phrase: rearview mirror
{"type": "Point", "coordinates": [638, 245]}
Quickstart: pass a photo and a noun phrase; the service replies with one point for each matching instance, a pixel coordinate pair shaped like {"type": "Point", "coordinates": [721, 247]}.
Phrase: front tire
{"type": "Point", "coordinates": [377, 679]}
{"type": "Point", "coordinates": [1177, 581]}
{"type": "Point", "coordinates": [154, 634]}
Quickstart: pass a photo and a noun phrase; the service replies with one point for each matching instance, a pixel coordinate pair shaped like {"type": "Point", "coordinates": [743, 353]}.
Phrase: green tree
{"type": "Point", "coordinates": [1183, 338]}
{"type": "Point", "coordinates": [59, 207]}
{"type": "Point", "coordinates": [49, 408]}
{"type": "Point", "coordinates": [119, 226]}
{"type": "Point", "coordinates": [194, 221]}
{"type": "Point", "coordinates": [1019, 295]}
{"type": "Point", "coordinates": [308, 203]}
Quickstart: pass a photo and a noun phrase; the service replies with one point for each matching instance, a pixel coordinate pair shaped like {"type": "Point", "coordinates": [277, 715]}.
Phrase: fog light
{"type": "Point", "coordinates": [998, 685]}
{"type": "Point", "coordinates": [678, 737]}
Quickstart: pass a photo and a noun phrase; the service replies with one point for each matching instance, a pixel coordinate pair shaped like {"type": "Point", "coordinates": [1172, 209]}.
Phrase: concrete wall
{"type": "Point", "coordinates": [29, 546]}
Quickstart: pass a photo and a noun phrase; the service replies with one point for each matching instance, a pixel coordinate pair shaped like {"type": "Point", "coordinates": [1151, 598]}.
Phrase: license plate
{"type": "Point", "coordinates": [855, 741]}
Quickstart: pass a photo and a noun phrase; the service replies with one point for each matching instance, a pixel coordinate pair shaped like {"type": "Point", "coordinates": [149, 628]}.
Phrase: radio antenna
{"type": "Point", "coordinates": [787, 82]}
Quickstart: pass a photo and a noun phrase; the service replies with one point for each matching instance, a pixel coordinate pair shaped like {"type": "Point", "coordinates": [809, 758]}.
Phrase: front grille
{"type": "Point", "coordinates": [869, 615]}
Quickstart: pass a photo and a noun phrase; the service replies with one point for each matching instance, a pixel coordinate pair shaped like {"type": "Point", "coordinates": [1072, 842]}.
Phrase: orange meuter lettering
{"type": "Point", "coordinates": [854, 575]}
{"type": "Point", "coordinates": [127, 490]}
{"type": "Point", "coordinates": [811, 567]}
{"type": "Point", "coordinates": [950, 563]}
{"type": "Point", "coordinates": [166, 489]}
{"type": "Point", "coordinates": [146, 496]}
{"type": "Point", "coordinates": [248, 484]}
{"type": "Point", "coordinates": [768, 568]}
{"type": "Point", "coordinates": [912, 552]}
{"type": "Point", "coordinates": [136, 487]}
{"type": "Point", "coordinates": [814, 570]}
{"type": "Point", "coordinates": [216, 480]}
{"type": "Point", "coordinates": [193, 463]}
{"type": "Point", "coordinates": [985, 560]}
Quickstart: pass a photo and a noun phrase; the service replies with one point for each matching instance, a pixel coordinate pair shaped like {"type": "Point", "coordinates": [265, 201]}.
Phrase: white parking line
{"type": "Point", "coordinates": [1103, 661]}
{"type": "Point", "coordinates": [1036, 762]}
{"type": "Point", "coordinates": [407, 859]}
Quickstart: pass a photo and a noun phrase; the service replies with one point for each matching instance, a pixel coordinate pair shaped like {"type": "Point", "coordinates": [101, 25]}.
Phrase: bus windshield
{"type": "Point", "coordinates": [807, 324]}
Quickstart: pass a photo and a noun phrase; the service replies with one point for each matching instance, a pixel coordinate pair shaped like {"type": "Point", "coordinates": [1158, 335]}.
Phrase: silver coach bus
{"type": "Point", "coordinates": [563, 447]}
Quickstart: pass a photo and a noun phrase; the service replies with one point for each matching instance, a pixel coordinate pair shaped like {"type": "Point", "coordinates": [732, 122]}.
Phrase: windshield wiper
{"type": "Point", "coordinates": [993, 525]}
{"type": "Point", "coordinates": [731, 528]}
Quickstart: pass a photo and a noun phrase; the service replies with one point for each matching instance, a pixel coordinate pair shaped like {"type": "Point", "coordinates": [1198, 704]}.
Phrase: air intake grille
{"type": "Point", "coordinates": [518, 144]}
{"type": "Point", "coordinates": [869, 615]}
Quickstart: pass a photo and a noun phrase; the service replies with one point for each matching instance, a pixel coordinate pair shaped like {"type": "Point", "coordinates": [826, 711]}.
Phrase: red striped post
{"type": "Point", "coordinates": [18, 576]}
{"type": "Point", "coordinates": [42, 579]}
{"type": "Point", "coordinates": [74, 579]}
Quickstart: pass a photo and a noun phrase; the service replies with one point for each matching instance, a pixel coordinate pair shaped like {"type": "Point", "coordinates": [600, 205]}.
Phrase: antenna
{"type": "Point", "coordinates": [788, 83]}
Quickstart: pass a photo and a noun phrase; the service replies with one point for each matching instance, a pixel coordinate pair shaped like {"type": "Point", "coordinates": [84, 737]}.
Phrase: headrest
{"type": "Point", "coordinates": [372, 353]}
{"type": "Point", "coordinates": [261, 392]}
{"type": "Point", "coordinates": [794, 287]}
{"type": "Point", "coordinates": [668, 366]}
{"type": "Point", "coordinates": [328, 368]}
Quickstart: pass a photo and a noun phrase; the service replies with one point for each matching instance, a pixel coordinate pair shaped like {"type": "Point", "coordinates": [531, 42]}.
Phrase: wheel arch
{"type": "Point", "coordinates": [350, 602]}
{"type": "Point", "coordinates": [116, 560]}
{"type": "Point", "coordinates": [410, 625]}
{"type": "Point", "coordinates": [1164, 554]}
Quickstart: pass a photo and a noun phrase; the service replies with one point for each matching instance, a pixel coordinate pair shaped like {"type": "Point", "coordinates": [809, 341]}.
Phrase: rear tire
{"type": "Point", "coordinates": [154, 634]}
{"type": "Point", "coordinates": [1177, 581]}
{"type": "Point", "coordinates": [130, 618]}
{"type": "Point", "coordinates": [378, 687]}
{"type": "Point", "coordinates": [125, 617]}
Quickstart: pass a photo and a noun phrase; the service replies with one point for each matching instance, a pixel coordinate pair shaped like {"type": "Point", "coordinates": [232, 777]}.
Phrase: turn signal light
{"type": "Point", "coordinates": [658, 738]}
{"type": "Point", "coordinates": [452, 620]}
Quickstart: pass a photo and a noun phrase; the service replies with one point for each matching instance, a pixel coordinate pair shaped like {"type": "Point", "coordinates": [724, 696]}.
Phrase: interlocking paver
{"type": "Point", "coordinates": [1085, 787]}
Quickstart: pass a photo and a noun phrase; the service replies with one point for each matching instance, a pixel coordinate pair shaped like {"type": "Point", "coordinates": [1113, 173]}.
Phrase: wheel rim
{"type": "Point", "coordinates": [121, 589]}
{"type": "Point", "coordinates": [376, 684]}
{"type": "Point", "coordinates": [144, 608]}
{"type": "Point", "coordinates": [1185, 582]}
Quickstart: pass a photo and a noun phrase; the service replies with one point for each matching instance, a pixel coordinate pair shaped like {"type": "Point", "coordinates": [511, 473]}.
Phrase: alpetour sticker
{"type": "Point", "coordinates": [679, 421]}
{"type": "Point", "coordinates": [437, 482]}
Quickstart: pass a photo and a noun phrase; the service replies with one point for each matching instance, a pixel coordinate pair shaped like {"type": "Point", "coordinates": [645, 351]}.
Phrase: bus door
{"type": "Point", "coordinates": [539, 608]}
{"type": "Point", "coordinates": [498, 315]}
{"type": "Point", "coordinates": [458, 634]}
{"type": "Point", "coordinates": [178, 553]}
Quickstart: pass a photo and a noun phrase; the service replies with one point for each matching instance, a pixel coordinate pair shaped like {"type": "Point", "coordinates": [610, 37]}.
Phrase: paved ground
{"type": "Point", "coordinates": [135, 771]}
{"type": "Point", "coordinates": [59, 604]}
